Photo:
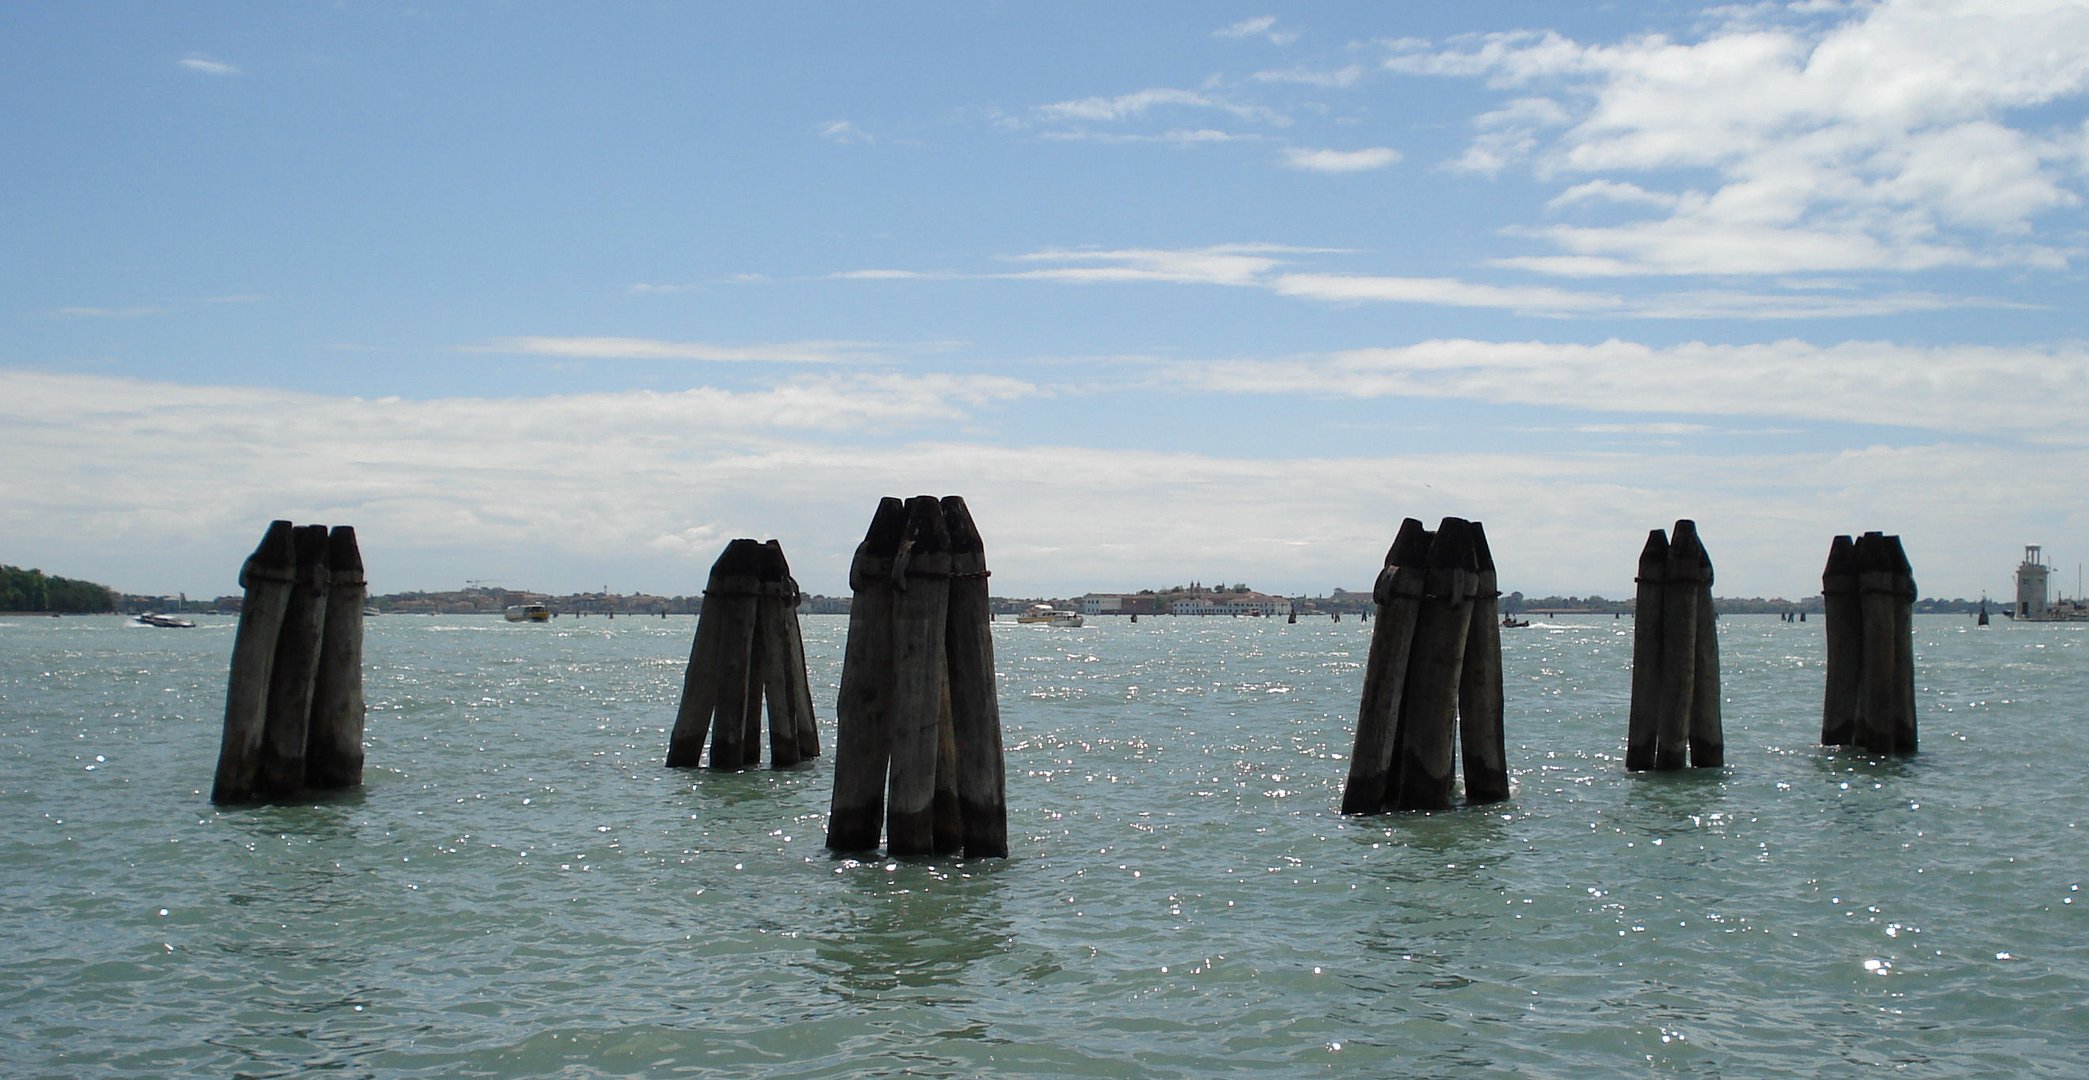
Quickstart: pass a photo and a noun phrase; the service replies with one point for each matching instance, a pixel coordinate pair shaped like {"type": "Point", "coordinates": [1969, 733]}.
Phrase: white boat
{"type": "Point", "coordinates": [151, 618]}
{"type": "Point", "coordinates": [1047, 615]}
{"type": "Point", "coordinates": [527, 613]}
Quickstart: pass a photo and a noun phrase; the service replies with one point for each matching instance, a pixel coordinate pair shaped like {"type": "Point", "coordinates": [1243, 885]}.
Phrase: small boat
{"type": "Point", "coordinates": [1510, 622]}
{"type": "Point", "coordinates": [1047, 615]}
{"type": "Point", "coordinates": [152, 618]}
{"type": "Point", "coordinates": [527, 613]}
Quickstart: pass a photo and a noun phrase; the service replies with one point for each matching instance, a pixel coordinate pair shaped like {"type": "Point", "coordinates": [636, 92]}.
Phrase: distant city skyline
{"type": "Point", "coordinates": [572, 296]}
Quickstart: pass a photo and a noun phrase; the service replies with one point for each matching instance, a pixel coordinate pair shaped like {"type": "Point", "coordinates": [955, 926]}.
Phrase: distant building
{"type": "Point", "coordinates": [1230, 603]}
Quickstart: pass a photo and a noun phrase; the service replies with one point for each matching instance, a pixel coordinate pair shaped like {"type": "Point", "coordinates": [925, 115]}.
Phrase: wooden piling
{"type": "Point", "coordinates": [863, 708]}
{"type": "Point", "coordinates": [975, 707]}
{"type": "Point", "coordinates": [1886, 598]}
{"type": "Point", "coordinates": [919, 632]}
{"type": "Point", "coordinates": [1398, 596]}
{"type": "Point", "coordinates": [714, 686]}
{"type": "Point", "coordinates": [1679, 598]}
{"type": "Point", "coordinates": [267, 578]}
{"type": "Point", "coordinates": [296, 666]}
{"type": "Point", "coordinates": [1643, 731]}
{"type": "Point", "coordinates": [1707, 728]}
{"type": "Point", "coordinates": [808, 724]}
{"type": "Point", "coordinates": [334, 747]}
{"type": "Point", "coordinates": [1843, 616]}
{"type": "Point", "coordinates": [1904, 733]}
{"type": "Point", "coordinates": [1480, 735]}
{"type": "Point", "coordinates": [773, 655]}
{"type": "Point", "coordinates": [1429, 705]}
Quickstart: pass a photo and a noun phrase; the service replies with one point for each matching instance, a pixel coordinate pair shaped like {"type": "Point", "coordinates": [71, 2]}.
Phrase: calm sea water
{"type": "Point", "coordinates": [522, 890]}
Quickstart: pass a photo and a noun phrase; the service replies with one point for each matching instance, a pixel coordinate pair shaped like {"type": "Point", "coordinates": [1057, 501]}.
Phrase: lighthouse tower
{"type": "Point", "coordinates": [2031, 585]}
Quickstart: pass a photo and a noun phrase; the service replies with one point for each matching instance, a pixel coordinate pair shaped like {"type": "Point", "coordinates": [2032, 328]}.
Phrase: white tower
{"type": "Point", "coordinates": [2031, 585]}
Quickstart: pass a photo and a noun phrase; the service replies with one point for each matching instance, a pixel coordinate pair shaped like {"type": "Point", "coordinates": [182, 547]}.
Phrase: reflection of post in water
{"type": "Point", "coordinates": [919, 739]}
{"type": "Point", "coordinates": [914, 928]}
{"type": "Point", "coordinates": [1433, 675]}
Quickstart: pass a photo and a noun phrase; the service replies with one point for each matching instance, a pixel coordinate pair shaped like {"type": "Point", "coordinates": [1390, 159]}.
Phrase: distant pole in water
{"type": "Point", "coordinates": [1675, 713]}
{"type": "Point", "coordinates": [294, 701]}
{"type": "Point", "coordinates": [747, 650]}
{"type": "Point", "coordinates": [919, 739]}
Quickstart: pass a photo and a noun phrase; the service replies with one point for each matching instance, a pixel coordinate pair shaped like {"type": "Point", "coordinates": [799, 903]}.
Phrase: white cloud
{"type": "Point", "coordinates": [1137, 104]}
{"type": "Point", "coordinates": [1341, 161]}
{"type": "Point", "coordinates": [844, 132]}
{"type": "Point", "coordinates": [206, 66]}
{"type": "Point", "coordinates": [86, 312]}
{"type": "Point", "coordinates": [646, 487]}
{"type": "Point", "coordinates": [1448, 292]}
{"type": "Point", "coordinates": [2028, 392]}
{"type": "Point", "coordinates": [1262, 26]}
{"type": "Point", "coordinates": [1330, 78]}
{"type": "Point", "coordinates": [1879, 139]}
{"type": "Point", "coordinates": [627, 348]}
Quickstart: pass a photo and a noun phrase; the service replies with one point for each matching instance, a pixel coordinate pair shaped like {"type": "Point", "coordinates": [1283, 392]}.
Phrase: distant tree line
{"type": "Point", "coordinates": [33, 590]}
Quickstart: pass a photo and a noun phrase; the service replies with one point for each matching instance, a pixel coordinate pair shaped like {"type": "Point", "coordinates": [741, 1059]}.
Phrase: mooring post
{"type": "Point", "coordinates": [863, 707]}
{"type": "Point", "coordinates": [1429, 705]}
{"type": "Point", "coordinates": [1879, 704]}
{"type": "Point", "coordinates": [267, 578]}
{"type": "Point", "coordinates": [975, 707]}
{"type": "Point", "coordinates": [1842, 614]}
{"type": "Point", "coordinates": [1398, 596]}
{"type": "Point", "coordinates": [715, 685]}
{"type": "Point", "coordinates": [1679, 596]}
{"type": "Point", "coordinates": [1480, 734]}
{"type": "Point", "coordinates": [1643, 732]}
{"type": "Point", "coordinates": [1707, 728]}
{"type": "Point", "coordinates": [801, 690]}
{"type": "Point", "coordinates": [920, 615]}
{"type": "Point", "coordinates": [296, 665]}
{"type": "Point", "coordinates": [334, 748]}
{"type": "Point", "coordinates": [772, 650]}
{"type": "Point", "coordinates": [1904, 734]}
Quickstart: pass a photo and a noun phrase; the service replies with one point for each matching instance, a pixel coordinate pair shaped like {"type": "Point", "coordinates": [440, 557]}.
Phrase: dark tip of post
{"type": "Point", "coordinates": [1872, 554]}
{"type": "Point", "coordinates": [925, 530]}
{"type": "Point", "coordinates": [1410, 544]}
{"type": "Point", "coordinates": [957, 521]}
{"type": "Point", "coordinates": [1898, 556]}
{"type": "Point", "coordinates": [1483, 556]}
{"type": "Point", "coordinates": [341, 550]}
{"type": "Point", "coordinates": [1452, 547]}
{"type": "Point", "coordinates": [773, 566]}
{"type": "Point", "coordinates": [309, 544]}
{"type": "Point", "coordinates": [1656, 550]}
{"type": "Point", "coordinates": [278, 546]}
{"type": "Point", "coordinates": [1842, 557]}
{"type": "Point", "coordinates": [741, 557]}
{"type": "Point", "coordinates": [887, 527]}
{"type": "Point", "coordinates": [1683, 543]}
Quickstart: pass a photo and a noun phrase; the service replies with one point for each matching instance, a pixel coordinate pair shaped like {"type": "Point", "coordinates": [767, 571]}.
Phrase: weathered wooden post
{"type": "Point", "coordinates": [267, 578]}
{"type": "Point", "coordinates": [1886, 597]}
{"type": "Point", "coordinates": [1398, 596]}
{"type": "Point", "coordinates": [1707, 726]}
{"type": "Point", "coordinates": [1480, 734]}
{"type": "Point", "coordinates": [1679, 595]}
{"type": "Point", "coordinates": [920, 615]}
{"type": "Point", "coordinates": [1642, 732]}
{"type": "Point", "coordinates": [782, 651]}
{"type": "Point", "coordinates": [334, 749]}
{"type": "Point", "coordinates": [289, 721]}
{"type": "Point", "coordinates": [1675, 714]}
{"type": "Point", "coordinates": [863, 708]}
{"type": "Point", "coordinates": [747, 651]}
{"type": "Point", "coordinates": [1843, 616]}
{"type": "Point", "coordinates": [975, 706]}
{"type": "Point", "coordinates": [1423, 744]}
{"type": "Point", "coordinates": [715, 682]}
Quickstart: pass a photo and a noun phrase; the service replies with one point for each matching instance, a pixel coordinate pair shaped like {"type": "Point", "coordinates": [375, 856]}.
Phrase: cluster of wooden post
{"type": "Point", "coordinates": [1675, 715]}
{"type": "Point", "coordinates": [748, 649]}
{"type": "Point", "coordinates": [294, 702]}
{"type": "Point", "coordinates": [1434, 676]}
{"type": "Point", "coordinates": [918, 745]}
{"type": "Point", "coordinates": [1868, 593]}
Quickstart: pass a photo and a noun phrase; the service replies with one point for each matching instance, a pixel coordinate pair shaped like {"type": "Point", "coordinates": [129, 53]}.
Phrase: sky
{"type": "Point", "coordinates": [565, 297]}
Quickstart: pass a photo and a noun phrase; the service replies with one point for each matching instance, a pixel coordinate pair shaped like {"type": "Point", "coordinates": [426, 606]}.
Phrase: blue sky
{"type": "Point", "coordinates": [566, 297]}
